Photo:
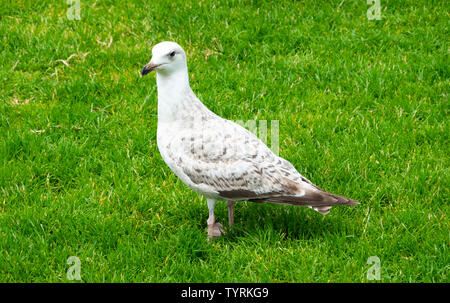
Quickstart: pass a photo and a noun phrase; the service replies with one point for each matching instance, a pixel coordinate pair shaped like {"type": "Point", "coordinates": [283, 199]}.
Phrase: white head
{"type": "Point", "coordinates": [167, 58]}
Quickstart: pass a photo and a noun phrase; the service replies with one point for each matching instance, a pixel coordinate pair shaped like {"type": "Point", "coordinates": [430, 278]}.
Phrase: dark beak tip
{"type": "Point", "coordinates": [145, 71]}
{"type": "Point", "coordinates": [149, 68]}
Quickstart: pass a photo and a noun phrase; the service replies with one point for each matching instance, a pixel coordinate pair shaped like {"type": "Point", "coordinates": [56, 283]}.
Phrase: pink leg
{"type": "Point", "coordinates": [215, 229]}
{"type": "Point", "coordinates": [230, 205]}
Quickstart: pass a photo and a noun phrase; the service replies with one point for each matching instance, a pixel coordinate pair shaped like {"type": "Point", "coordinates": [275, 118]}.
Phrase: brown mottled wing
{"type": "Point", "coordinates": [232, 163]}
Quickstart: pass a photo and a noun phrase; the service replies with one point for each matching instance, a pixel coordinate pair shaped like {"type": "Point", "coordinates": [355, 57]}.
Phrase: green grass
{"type": "Point", "coordinates": [363, 112]}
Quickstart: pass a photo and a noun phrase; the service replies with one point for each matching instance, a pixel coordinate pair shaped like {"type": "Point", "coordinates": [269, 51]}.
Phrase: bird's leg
{"type": "Point", "coordinates": [230, 205]}
{"type": "Point", "coordinates": [214, 228]}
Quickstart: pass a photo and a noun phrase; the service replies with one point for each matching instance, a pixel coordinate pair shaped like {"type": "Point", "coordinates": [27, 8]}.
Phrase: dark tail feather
{"type": "Point", "coordinates": [319, 200]}
{"type": "Point", "coordinates": [344, 200]}
{"type": "Point", "coordinates": [324, 210]}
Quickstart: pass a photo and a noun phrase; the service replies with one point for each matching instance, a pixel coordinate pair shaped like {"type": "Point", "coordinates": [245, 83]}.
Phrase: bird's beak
{"type": "Point", "coordinates": [149, 68]}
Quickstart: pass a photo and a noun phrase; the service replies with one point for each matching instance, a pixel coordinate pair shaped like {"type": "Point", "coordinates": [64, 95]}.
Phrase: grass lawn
{"type": "Point", "coordinates": [363, 112]}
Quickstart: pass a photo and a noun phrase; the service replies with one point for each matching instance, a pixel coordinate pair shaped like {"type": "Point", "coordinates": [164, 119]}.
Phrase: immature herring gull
{"type": "Point", "coordinates": [217, 157]}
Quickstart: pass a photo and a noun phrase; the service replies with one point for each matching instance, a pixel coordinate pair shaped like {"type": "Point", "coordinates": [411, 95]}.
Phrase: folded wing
{"type": "Point", "coordinates": [233, 164]}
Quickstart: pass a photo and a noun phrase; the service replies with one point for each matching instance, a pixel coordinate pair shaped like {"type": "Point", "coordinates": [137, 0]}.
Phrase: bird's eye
{"type": "Point", "coordinates": [172, 54]}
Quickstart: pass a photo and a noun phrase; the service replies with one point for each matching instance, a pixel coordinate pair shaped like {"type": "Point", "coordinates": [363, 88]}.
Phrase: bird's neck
{"type": "Point", "coordinates": [171, 91]}
{"type": "Point", "coordinates": [175, 96]}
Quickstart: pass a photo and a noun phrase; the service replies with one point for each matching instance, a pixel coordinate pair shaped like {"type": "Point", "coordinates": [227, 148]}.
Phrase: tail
{"type": "Point", "coordinates": [324, 210]}
{"type": "Point", "coordinates": [319, 200]}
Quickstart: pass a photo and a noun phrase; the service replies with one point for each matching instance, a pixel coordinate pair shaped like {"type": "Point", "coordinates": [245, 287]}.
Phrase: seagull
{"type": "Point", "coordinates": [218, 158]}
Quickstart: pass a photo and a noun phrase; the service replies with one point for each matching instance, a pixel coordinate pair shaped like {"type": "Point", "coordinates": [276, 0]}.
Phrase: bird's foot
{"type": "Point", "coordinates": [215, 230]}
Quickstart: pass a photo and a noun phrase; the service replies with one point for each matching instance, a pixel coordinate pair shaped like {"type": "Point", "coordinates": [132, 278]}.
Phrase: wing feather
{"type": "Point", "coordinates": [230, 162]}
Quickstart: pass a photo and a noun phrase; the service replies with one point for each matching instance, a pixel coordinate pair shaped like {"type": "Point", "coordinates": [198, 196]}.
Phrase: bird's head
{"type": "Point", "coordinates": [167, 58]}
